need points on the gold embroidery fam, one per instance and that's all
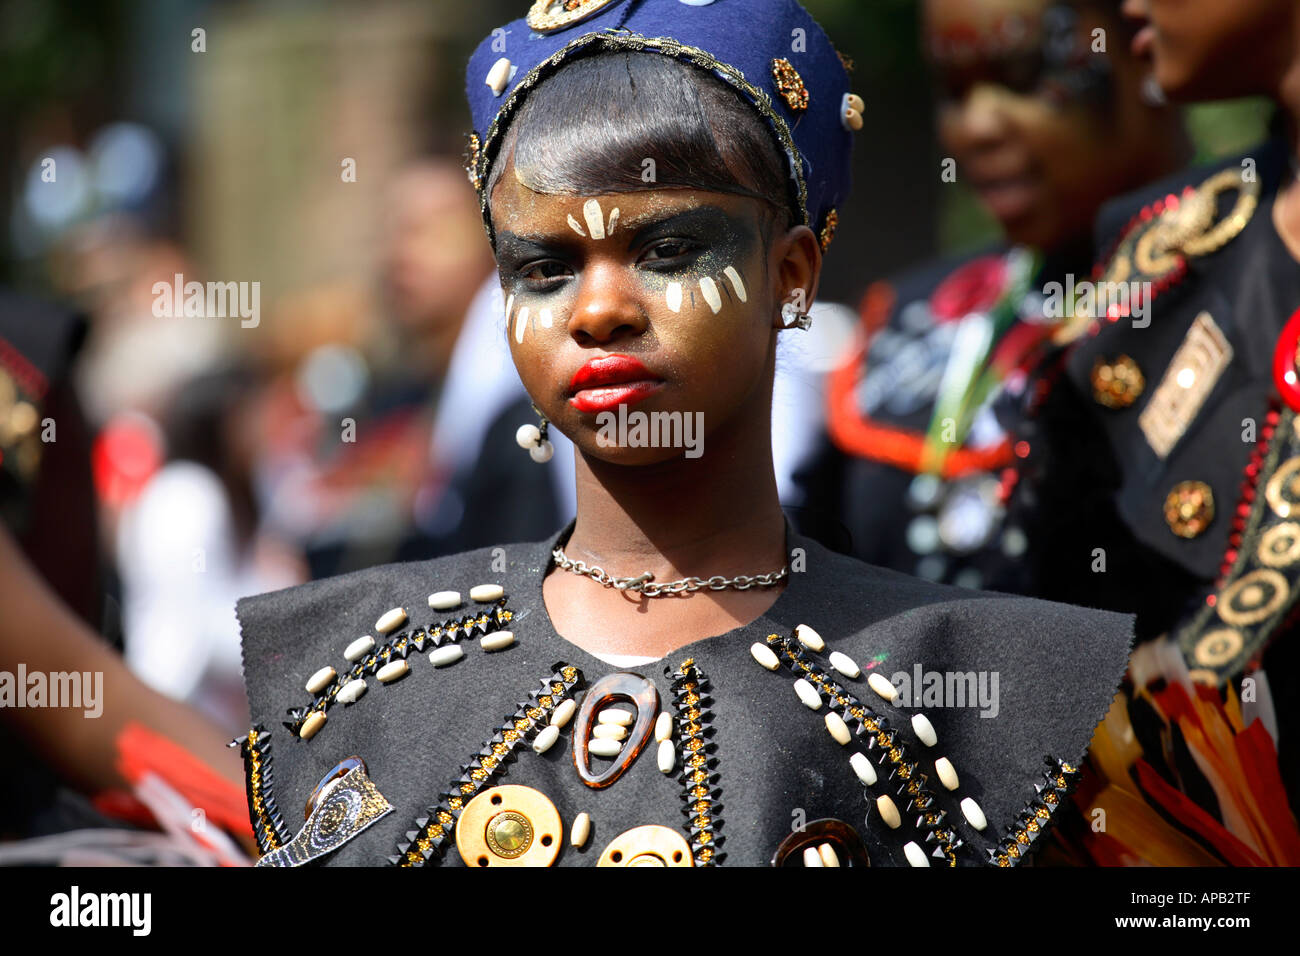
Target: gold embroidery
(790, 85)
(1197, 365)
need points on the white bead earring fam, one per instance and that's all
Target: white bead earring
(533, 438)
(792, 318)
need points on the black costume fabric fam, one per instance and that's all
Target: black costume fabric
(867, 507)
(769, 762)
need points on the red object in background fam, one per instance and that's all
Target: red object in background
(975, 287)
(1285, 374)
(125, 455)
(140, 751)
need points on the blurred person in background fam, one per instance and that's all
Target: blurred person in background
(1172, 430)
(119, 731)
(193, 540)
(1041, 112)
(420, 476)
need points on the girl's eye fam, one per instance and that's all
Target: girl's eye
(544, 272)
(671, 252)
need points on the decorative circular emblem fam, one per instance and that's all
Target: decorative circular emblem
(1252, 598)
(1280, 545)
(509, 826)
(1283, 488)
(1189, 508)
(1117, 384)
(1218, 647)
(648, 846)
(339, 810)
(790, 85)
(509, 834)
(548, 16)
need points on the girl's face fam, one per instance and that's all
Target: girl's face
(681, 282)
(1215, 49)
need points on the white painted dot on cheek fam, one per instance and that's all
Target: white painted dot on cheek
(521, 323)
(711, 294)
(545, 316)
(674, 296)
(595, 217)
(736, 283)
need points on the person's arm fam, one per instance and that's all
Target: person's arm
(38, 631)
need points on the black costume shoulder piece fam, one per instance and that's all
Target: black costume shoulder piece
(1011, 690)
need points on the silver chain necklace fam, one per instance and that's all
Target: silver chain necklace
(642, 582)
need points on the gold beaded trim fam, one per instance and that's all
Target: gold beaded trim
(418, 639)
(790, 85)
(1059, 781)
(698, 777)
(268, 825)
(473, 147)
(920, 798)
(432, 832)
(612, 39)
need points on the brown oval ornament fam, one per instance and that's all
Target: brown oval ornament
(608, 690)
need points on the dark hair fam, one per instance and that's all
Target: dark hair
(589, 127)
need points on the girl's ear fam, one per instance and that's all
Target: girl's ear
(797, 269)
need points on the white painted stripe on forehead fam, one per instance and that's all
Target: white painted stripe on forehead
(573, 224)
(595, 217)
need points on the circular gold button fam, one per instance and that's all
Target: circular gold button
(509, 834)
(1117, 384)
(648, 846)
(509, 826)
(1189, 508)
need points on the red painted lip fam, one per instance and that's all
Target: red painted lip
(613, 380)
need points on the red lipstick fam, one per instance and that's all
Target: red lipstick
(605, 383)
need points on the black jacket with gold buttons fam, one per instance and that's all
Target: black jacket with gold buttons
(1167, 450)
(1007, 689)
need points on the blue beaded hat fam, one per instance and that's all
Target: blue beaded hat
(771, 51)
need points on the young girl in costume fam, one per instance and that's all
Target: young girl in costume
(676, 678)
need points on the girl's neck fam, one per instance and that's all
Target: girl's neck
(715, 514)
